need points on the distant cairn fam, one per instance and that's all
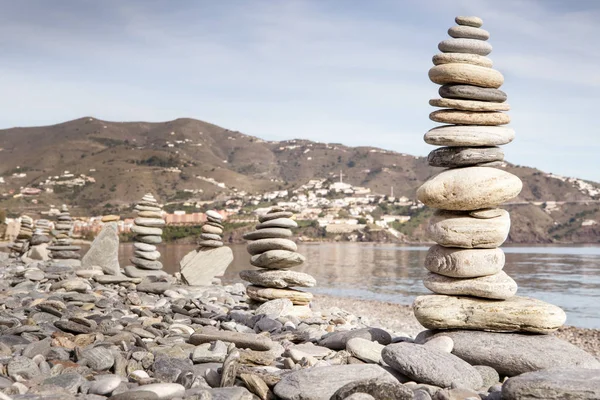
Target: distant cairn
(62, 250)
(21, 244)
(147, 227)
(273, 251)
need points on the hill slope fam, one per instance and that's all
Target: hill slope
(128, 159)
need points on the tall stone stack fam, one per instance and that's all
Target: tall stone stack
(273, 251)
(21, 244)
(148, 229)
(62, 250)
(39, 241)
(211, 259)
(466, 265)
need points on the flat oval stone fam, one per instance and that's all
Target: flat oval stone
(263, 245)
(211, 229)
(460, 117)
(471, 188)
(277, 278)
(148, 239)
(275, 215)
(144, 246)
(268, 233)
(373, 389)
(277, 259)
(210, 243)
(214, 214)
(459, 229)
(452, 135)
(469, 21)
(517, 314)
(147, 255)
(499, 286)
(464, 263)
(431, 366)
(262, 294)
(241, 340)
(164, 391)
(469, 46)
(453, 157)
(555, 384)
(149, 214)
(466, 74)
(146, 264)
(278, 223)
(105, 384)
(149, 222)
(515, 353)
(210, 236)
(468, 32)
(469, 105)
(470, 92)
(144, 230)
(462, 58)
(363, 349)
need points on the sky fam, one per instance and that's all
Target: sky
(341, 71)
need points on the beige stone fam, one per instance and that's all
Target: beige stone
(517, 314)
(468, 32)
(467, 74)
(469, 189)
(263, 294)
(499, 286)
(263, 245)
(464, 263)
(459, 229)
(469, 105)
(464, 135)
(461, 117)
(110, 218)
(462, 58)
(199, 267)
(473, 21)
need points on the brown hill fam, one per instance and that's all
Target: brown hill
(127, 159)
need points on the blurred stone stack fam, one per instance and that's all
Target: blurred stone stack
(62, 250)
(211, 259)
(148, 230)
(21, 244)
(472, 290)
(274, 252)
(39, 241)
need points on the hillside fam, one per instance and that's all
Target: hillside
(123, 160)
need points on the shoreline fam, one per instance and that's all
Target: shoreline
(400, 319)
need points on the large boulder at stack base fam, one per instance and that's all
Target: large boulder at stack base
(104, 251)
(554, 384)
(514, 354)
(199, 267)
(517, 314)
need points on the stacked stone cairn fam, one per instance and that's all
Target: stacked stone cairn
(62, 250)
(199, 267)
(148, 229)
(21, 244)
(39, 241)
(273, 251)
(472, 290)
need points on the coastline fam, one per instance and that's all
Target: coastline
(400, 319)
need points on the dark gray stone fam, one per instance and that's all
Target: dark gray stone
(514, 353)
(470, 92)
(169, 369)
(378, 389)
(230, 367)
(138, 395)
(146, 264)
(153, 287)
(338, 340)
(554, 384)
(431, 366)
(23, 367)
(452, 157)
(69, 382)
(241, 340)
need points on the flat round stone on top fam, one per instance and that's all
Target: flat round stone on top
(469, 46)
(469, 21)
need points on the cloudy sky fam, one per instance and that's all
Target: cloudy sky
(346, 71)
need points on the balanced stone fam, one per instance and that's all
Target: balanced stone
(144, 230)
(451, 135)
(277, 259)
(149, 214)
(210, 243)
(462, 58)
(150, 222)
(469, 188)
(199, 267)
(459, 229)
(498, 286)
(206, 228)
(146, 264)
(277, 278)
(146, 208)
(460, 117)
(148, 239)
(464, 263)
(469, 46)
(278, 223)
(468, 32)
(452, 157)
(263, 245)
(144, 246)
(469, 21)
(268, 233)
(517, 314)
(147, 255)
(274, 215)
(104, 251)
(214, 214)
(469, 92)
(469, 105)
(263, 294)
(211, 236)
(466, 74)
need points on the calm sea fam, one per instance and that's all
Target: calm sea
(566, 276)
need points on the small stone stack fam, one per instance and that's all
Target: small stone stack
(21, 244)
(39, 241)
(468, 227)
(211, 259)
(62, 250)
(148, 229)
(273, 251)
